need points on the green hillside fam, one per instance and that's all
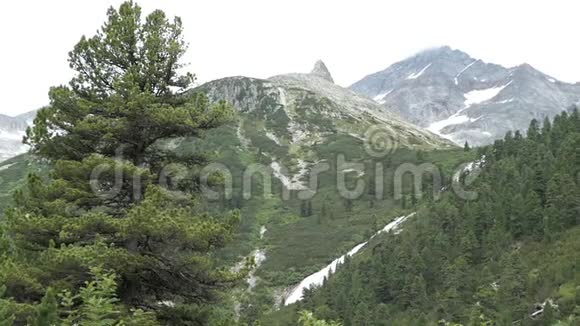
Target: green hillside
(13, 174)
(295, 244)
(510, 256)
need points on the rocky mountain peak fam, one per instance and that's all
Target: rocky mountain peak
(527, 68)
(321, 70)
(436, 50)
(466, 99)
(442, 52)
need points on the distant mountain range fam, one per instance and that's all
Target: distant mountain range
(12, 130)
(442, 90)
(466, 99)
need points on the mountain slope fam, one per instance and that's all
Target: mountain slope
(285, 127)
(13, 174)
(507, 256)
(466, 99)
(305, 109)
(292, 124)
(12, 130)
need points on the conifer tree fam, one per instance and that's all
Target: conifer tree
(546, 127)
(47, 311)
(126, 97)
(7, 317)
(534, 130)
(480, 262)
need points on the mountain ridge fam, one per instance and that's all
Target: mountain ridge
(314, 93)
(12, 130)
(464, 98)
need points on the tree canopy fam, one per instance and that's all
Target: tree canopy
(489, 261)
(104, 224)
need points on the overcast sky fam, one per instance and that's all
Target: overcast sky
(263, 38)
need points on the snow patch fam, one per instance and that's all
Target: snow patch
(296, 132)
(471, 98)
(418, 74)
(243, 140)
(166, 303)
(358, 172)
(456, 119)
(273, 138)
(259, 256)
(506, 101)
(482, 95)
(4, 167)
(462, 71)
(282, 93)
(380, 98)
(263, 231)
(356, 136)
(294, 182)
(468, 168)
(540, 307)
(316, 279)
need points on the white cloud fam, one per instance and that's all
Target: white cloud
(261, 38)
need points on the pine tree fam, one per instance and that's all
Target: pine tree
(308, 319)
(348, 204)
(362, 315)
(549, 315)
(517, 216)
(533, 214)
(126, 96)
(534, 130)
(569, 154)
(479, 262)
(466, 147)
(303, 209)
(47, 311)
(546, 127)
(562, 196)
(96, 304)
(7, 317)
(375, 224)
(122, 97)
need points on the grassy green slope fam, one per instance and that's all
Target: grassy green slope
(13, 174)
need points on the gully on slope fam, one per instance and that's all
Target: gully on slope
(317, 278)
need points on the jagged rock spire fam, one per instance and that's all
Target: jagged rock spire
(320, 70)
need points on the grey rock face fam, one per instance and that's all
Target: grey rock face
(303, 109)
(466, 99)
(321, 70)
(12, 130)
